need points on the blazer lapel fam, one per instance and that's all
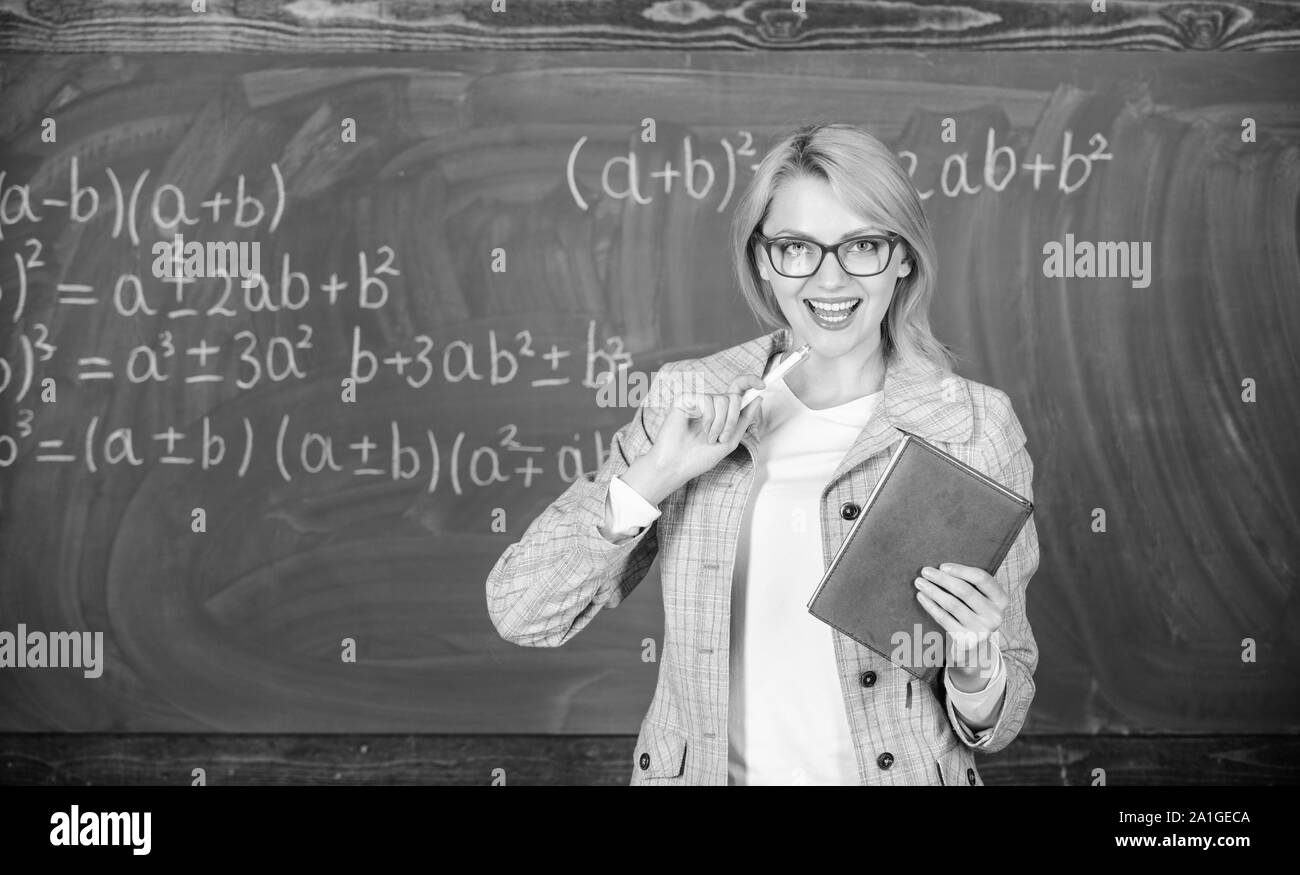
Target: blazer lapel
(930, 404)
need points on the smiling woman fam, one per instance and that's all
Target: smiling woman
(832, 251)
(839, 184)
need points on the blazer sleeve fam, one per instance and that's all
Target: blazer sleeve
(1010, 465)
(546, 587)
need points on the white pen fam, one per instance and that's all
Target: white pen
(787, 364)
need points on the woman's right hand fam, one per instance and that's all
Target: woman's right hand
(700, 430)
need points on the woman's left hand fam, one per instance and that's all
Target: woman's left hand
(968, 603)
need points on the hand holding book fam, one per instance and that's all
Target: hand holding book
(927, 504)
(967, 602)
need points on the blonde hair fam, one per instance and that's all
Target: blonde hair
(867, 177)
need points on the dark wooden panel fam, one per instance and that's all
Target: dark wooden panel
(1043, 760)
(363, 25)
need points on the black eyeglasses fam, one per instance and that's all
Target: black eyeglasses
(798, 257)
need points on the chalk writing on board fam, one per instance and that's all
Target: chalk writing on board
(626, 178)
(301, 450)
(165, 205)
(290, 289)
(495, 361)
(192, 349)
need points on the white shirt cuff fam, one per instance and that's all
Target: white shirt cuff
(981, 706)
(626, 512)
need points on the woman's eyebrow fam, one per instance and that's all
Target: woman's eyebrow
(791, 232)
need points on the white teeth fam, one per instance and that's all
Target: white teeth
(839, 305)
(833, 312)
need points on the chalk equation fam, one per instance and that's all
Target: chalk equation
(288, 289)
(690, 173)
(165, 205)
(301, 450)
(252, 359)
(199, 333)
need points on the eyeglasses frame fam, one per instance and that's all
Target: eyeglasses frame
(892, 238)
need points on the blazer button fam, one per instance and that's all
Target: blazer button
(645, 761)
(849, 510)
(970, 777)
(868, 678)
(885, 760)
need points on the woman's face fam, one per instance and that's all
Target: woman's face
(807, 207)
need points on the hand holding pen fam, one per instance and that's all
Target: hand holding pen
(702, 429)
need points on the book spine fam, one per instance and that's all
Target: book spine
(898, 454)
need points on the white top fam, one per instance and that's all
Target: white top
(786, 717)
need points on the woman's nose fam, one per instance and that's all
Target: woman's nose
(831, 274)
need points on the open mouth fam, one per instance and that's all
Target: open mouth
(832, 312)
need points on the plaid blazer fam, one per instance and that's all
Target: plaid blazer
(549, 585)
